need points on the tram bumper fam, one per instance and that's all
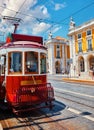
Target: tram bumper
(29, 97)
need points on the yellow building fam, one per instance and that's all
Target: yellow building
(81, 40)
(58, 55)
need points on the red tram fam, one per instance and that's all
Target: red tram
(23, 78)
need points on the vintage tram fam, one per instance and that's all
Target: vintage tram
(23, 78)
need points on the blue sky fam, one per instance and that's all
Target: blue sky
(39, 17)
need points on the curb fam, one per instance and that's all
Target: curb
(81, 81)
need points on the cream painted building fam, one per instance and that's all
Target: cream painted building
(58, 55)
(81, 41)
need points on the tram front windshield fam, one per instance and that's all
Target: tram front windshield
(33, 63)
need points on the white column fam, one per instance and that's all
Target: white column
(86, 65)
(50, 58)
(63, 57)
(53, 61)
(71, 56)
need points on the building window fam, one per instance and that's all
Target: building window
(89, 42)
(58, 51)
(80, 46)
(88, 32)
(79, 36)
(58, 54)
(58, 46)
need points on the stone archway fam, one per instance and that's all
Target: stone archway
(57, 66)
(90, 62)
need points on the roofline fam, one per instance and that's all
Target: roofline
(82, 26)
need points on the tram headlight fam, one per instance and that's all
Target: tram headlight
(32, 90)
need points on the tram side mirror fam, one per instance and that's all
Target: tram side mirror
(2, 60)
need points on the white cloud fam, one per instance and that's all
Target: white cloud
(41, 27)
(34, 29)
(56, 28)
(23, 30)
(39, 12)
(59, 6)
(44, 10)
(33, 16)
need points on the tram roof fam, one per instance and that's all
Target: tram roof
(23, 44)
(24, 41)
(22, 37)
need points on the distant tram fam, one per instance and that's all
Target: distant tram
(23, 78)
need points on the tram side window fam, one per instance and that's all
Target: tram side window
(0, 69)
(42, 63)
(15, 62)
(31, 62)
(2, 64)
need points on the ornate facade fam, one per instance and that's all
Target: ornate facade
(58, 55)
(81, 41)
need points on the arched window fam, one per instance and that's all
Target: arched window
(91, 62)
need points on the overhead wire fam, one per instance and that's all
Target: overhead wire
(73, 14)
(46, 20)
(78, 11)
(38, 19)
(20, 7)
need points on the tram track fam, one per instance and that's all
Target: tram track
(36, 120)
(38, 123)
(28, 123)
(72, 100)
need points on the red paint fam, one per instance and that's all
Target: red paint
(13, 83)
(20, 37)
(2, 88)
